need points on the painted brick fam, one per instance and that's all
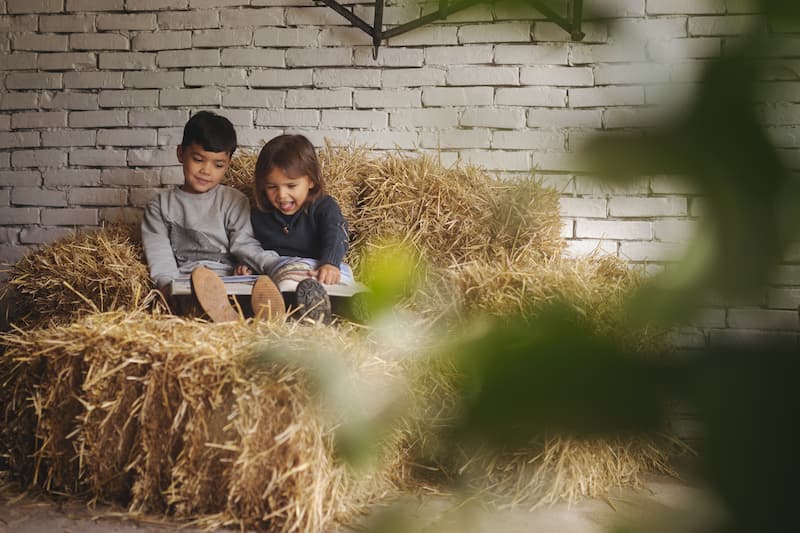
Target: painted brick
(25, 80)
(20, 139)
(459, 55)
(587, 247)
(784, 137)
(647, 207)
(618, 8)
(753, 339)
(38, 158)
(349, 77)
(148, 177)
(607, 53)
(34, 6)
(531, 54)
(337, 118)
(129, 98)
(26, 100)
(642, 73)
(162, 40)
(592, 186)
(285, 37)
(457, 96)
(596, 32)
(18, 23)
(663, 184)
(251, 98)
(188, 58)
(189, 20)
(474, 75)
(389, 98)
(154, 5)
(783, 298)
(606, 96)
(97, 157)
(127, 61)
(388, 57)
(650, 251)
(268, 16)
(497, 159)
(9, 235)
(674, 230)
(563, 183)
(613, 229)
(152, 157)
(413, 77)
(386, 140)
(19, 61)
(19, 215)
(769, 319)
(555, 75)
(93, 80)
(221, 38)
(95, 5)
(430, 118)
(281, 78)
(583, 207)
(174, 136)
(40, 43)
(225, 77)
(293, 117)
(498, 32)
(565, 118)
(682, 49)
(38, 197)
(139, 21)
(313, 16)
(80, 23)
(427, 36)
(69, 217)
(638, 30)
(71, 137)
(528, 140)
(392, 14)
(339, 36)
(98, 119)
(493, 117)
(318, 98)
(99, 41)
(531, 96)
(97, 196)
(72, 177)
(632, 117)
(474, 138)
(782, 274)
(153, 80)
(248, 57)
(43, 235)
(24, 178)
(318, 57)
(189, 97)
(141, 197)
(124, 215)
(680, 7)
(256, 137)
(127, 137)
(567, 229)
(37, 119)
(320, 138)
(68, 61)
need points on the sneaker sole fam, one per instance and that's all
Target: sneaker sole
(313, 301)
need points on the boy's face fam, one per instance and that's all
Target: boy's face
(202, 170)
(286, 194)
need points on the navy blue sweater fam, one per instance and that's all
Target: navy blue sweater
(317, 231)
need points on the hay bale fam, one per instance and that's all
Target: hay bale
(169, 415)
(89, 272)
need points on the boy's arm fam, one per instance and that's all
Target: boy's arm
(333, 232)
(243, 243)
(157, 247)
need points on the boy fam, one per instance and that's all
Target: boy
(203, 229)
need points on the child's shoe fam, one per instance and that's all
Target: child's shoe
(210, 292)
(313, 300)
(267, 300)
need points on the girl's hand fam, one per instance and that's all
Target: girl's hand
(242, 270)
(328, 274)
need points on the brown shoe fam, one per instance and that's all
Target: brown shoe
(210, 292)
(266, 299)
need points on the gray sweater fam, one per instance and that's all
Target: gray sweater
(182, 230)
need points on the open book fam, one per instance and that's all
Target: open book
(286, 273)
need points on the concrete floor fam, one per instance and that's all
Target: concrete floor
(664, 505)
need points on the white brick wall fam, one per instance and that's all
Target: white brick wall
(95, 94)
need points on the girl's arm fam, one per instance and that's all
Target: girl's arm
(332, 227)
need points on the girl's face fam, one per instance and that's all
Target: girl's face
(287, 195)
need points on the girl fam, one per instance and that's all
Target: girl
(296, 218)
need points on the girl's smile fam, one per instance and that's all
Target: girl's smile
(286, 194)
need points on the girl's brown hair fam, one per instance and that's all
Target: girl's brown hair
(295, 156)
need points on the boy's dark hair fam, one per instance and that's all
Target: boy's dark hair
(295, 156)
(213, 132)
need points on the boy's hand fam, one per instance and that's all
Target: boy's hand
(328, 274)
(242, 270)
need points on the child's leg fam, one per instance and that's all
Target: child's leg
(210, 292)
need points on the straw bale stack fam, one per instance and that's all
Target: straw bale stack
(92, 271)
(194, 419)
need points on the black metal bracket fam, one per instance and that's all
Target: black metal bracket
(571, 23)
